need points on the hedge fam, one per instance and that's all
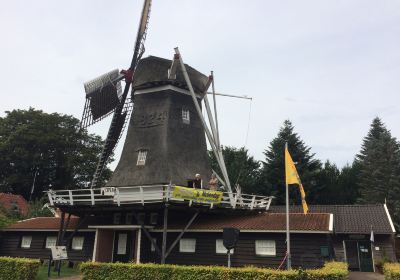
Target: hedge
(391, 271)
(123, 271)
(18, 268)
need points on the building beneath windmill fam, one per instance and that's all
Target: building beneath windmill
(147, 213)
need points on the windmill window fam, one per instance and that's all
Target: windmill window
(142, 155)
(187, 245)
(117, 218)
(265, 248)
(152, 248)
(51, 241)
(26, 241)
(186, 116)
(77, 243)
(153, 218)
(128, 218)
(140, 218)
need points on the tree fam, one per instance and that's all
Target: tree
(379, 163)
(335, 186)
(242, 168)
(50, 147)
(273, 169)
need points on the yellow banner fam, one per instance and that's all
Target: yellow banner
(197, 195)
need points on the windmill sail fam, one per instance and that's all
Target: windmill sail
(122, 111)
(102, 97)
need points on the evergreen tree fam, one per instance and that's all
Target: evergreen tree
(273, 170)
(379, 163)
(242, 168)
(50, 147)
(335, 186)
(347, 191)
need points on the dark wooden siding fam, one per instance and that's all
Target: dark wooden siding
(306, 250)
(11, 245)
(386, 248)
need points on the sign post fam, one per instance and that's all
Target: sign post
(58, 253)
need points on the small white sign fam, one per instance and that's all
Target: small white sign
(376, 248)
(108, 191)
(59, 253)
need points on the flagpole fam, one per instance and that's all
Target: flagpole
(289, 257)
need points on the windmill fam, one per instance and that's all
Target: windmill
(104, 96)
(166, 138)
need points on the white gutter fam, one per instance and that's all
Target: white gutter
(331, 222)
(390, 219)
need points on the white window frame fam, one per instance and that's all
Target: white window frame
(51, 241)
(77, 243)
(122, 242)
(152, 248)
(26, 241)
(185, 116)
(187, 245)
(265, 247)
(220, 248)
(141, 159)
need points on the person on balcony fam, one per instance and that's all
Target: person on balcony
(197, 182)
(213, 183)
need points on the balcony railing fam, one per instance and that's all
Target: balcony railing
(142, 195)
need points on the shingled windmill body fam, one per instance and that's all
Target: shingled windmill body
(165, 141)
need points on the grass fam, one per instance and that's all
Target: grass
(65, 272)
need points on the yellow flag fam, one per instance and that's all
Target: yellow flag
(292, 177)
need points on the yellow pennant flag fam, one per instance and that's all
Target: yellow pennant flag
(292, 177)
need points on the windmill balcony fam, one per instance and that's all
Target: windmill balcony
(156, 194)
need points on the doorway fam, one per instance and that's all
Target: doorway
(359, 255)
(123, 246)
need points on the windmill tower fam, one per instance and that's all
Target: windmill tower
(165, 140)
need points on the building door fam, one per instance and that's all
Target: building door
(365, 256)
(359, 255)
(352, 255)
(123, 246)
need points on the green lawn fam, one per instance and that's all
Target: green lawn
(65, 271)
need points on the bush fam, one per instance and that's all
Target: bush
(18, 268)
(391, 271)
(122, 271)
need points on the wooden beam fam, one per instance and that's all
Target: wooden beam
(78, 226)
(146, 232)
(182, 233)
(164, 238)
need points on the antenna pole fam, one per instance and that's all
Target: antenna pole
(215, 109)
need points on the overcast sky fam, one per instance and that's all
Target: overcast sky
(328, 66)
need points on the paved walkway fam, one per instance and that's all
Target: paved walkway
(365, 276)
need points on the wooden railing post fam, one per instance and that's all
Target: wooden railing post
(71, 200)
(92, 196)
(118, 197)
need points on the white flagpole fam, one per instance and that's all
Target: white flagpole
(289, 257)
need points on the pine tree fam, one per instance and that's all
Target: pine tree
(273, 170)
(379, 163)
(242, 168)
